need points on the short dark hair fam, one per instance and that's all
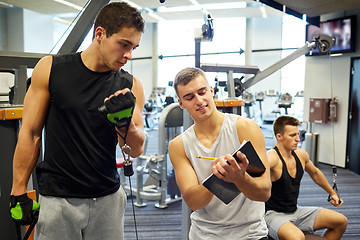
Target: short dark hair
(116, 15)
(186, 75)
(282, 121)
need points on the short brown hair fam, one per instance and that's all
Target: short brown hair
(117, 15)
(282, 121)
(186, 75)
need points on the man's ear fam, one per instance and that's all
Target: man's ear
(212, 91)
(278, 136)
(100, 32)
(180, 103)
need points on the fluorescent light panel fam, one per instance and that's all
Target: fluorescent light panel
(194, 2)
(69, 4)
(148, 10)
(138, 7)
(5, 5)
(198, 7)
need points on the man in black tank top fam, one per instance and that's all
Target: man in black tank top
(79, 186)
(284, 218)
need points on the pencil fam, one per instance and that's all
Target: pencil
(210, 158)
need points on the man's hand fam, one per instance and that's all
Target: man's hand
(228, 169)
(23, 210)
(119, 107)
(335, 200)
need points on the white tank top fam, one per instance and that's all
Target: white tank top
(241, 218)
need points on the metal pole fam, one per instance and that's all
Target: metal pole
(197, 52)
(20, 84)
(82, 27)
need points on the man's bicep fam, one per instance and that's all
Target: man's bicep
(272, 158)
(37, 98)
(258, 141)
(184, 172)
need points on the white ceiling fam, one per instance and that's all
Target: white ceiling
(57, 9)
(254, 9)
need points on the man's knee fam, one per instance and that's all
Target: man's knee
(343, 221)
(330, 219)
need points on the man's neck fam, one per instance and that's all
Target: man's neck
(210, 127)
(91, 59)
(285, 152)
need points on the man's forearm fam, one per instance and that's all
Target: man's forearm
(256, 189)
(321, 180)
(25, 158)
(197, 197)
(134, 138)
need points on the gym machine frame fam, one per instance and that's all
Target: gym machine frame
(155, 166)
(322, 42)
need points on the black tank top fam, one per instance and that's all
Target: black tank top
(285, 190)
(80, 146)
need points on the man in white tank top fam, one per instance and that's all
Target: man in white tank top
(215, 134)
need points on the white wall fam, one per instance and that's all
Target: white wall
(38, 32)
(3, 29)
(142, 69)
(328, 77)
(15, 30)
(266, 34)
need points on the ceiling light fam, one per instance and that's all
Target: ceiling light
(146, 10)
(151, 13)
(5, 5)
(69, 4)
(263, 12)
(60, 20)
(138, 7)
(214, 6)
(194, 2)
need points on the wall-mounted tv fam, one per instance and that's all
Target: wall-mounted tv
(342, 29)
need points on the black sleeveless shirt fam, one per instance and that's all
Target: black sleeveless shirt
(285, 190)
(80, 146)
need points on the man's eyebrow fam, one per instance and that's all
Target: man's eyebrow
(130, 42)
(186, 95)
(200, 89)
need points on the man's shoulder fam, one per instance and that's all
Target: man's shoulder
(70, 58)
(248, 130)
(176, 145)
(273, 158)
(176, 141)
(301, 153)
(246, 123)
(272, 153)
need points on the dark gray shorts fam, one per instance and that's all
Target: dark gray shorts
(303, 218)
(76, 218)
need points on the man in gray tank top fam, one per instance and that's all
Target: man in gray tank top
(215, 134)
(284, 218)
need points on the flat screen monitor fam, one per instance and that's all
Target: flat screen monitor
(342, 29)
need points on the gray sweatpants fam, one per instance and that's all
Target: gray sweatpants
(81, 219)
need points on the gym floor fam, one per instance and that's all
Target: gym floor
(163, 224)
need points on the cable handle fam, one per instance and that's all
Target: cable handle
(334, 170)
(128, 169)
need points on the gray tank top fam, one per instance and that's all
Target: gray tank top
(242, 218)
